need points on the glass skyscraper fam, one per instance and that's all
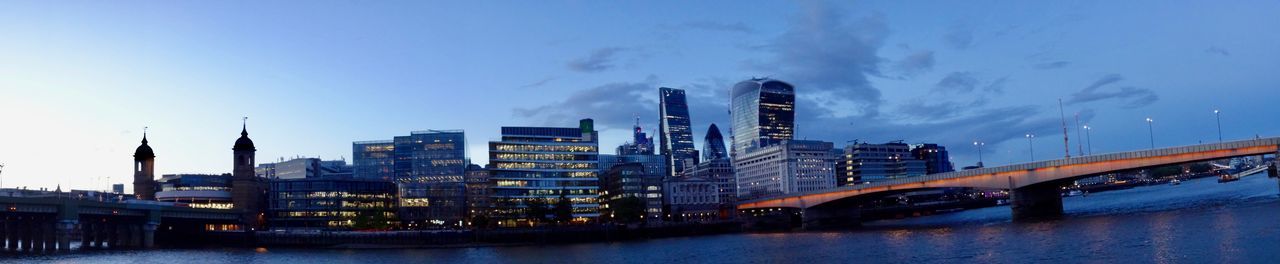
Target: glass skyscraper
(428, 168)
(373, 159)
(763, 113)
(676, 135)
(713, 145)
(537, 165)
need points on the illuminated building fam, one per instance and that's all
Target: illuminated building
(787, 167)
(864, 162)
(762, 111)
(479, 190)
(373, 159)
(196, 190)
(691, 199)
(332, 203)
(719, 171)
(713, 144)
(633, 180)
(300, 168)
(538, 164)
(935, 157)
(428, 167)
(676, 135)
(641, 143)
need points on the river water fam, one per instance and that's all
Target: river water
(1199, 221)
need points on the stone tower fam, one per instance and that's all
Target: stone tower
(246, 189)
(144, 171)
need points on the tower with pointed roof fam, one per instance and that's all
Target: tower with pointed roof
(144, 171)
(247, 190)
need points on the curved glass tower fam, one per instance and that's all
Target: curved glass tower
(763, 113)
(713, 145)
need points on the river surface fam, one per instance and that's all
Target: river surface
(1199, 221)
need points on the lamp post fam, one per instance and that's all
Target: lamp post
(1088, 138)
(1031, 147)
(1217, 115)
(979, 144)
(1151, 132)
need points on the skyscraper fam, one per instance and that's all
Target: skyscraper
(763, 113)
(676, 135)
(534, 166)
(641, 143)
(713, 145)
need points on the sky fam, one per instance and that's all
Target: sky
(79, 80)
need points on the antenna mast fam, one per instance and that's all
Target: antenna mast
(1065, 142)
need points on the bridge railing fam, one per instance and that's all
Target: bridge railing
(1272, 141)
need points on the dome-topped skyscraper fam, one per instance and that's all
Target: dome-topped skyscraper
(144, 171)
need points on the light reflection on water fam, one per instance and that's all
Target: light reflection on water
(1200, 221)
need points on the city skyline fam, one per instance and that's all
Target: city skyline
(312, 86)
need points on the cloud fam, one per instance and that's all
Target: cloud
(1051, 65)
(539, 83)
(599, 60)
(611, 105)
(826, 56)
(737, 27)
(937, 109)
(957, 82)
(1132, 96)
(959, 38)
(915, 63)
(1215, 50)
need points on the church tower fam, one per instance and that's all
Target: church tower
(144, 171)
(246, 189)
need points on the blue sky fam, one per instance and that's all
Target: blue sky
(79, 79)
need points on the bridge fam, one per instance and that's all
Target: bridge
(1034, 187)
(49, 222)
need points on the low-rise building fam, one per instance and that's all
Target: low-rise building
(787, 167)
(331, 204)
(211, 191)
(692, 199)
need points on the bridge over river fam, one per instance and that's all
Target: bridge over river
(49, 222)
(1034, 186)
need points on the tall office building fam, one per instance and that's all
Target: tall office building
(373, 159)
(935, 157)
(428, 168)
(536, 165)
(641, 143)
(864, 162)
(763, 113)
(713, 145)
(789, 166)
(676, 135)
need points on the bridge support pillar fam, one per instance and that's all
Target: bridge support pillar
(817, 218)
(33, 231)
(1036, 202)
(149, 234)
(65, 229)
(112, 234)
(50, 237)
(11, 233)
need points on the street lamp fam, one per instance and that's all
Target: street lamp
(1031, 147)
(1217, 115)
(1088, 138)
(979, 144)
(1151, 132)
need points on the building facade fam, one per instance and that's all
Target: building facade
(537, 165)
(641, 143)
(427, 166)
(332, 203)
(935, 157)
(633, 180)
(786, 167)
(864, 163)
(210, 191)
(692, 199)
(479, 190)
(301, 168)
(676, 133)
(762, 111)
(719, 171)
(373, 159)
(144, 171)
(713, 144)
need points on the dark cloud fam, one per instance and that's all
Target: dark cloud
(916, 63)
(1217, 51)
(996, 86)
(611, 105)
(538, 83)
(1051, 65)
(826, 56)
(738, 27)
(599, 60)
(1131, 96)
(958, 82)
(959, 38)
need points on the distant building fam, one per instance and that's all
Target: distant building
(713, 145)
(479, 190)
(935, 157)
(541, 163)
(863, 162)
(789, 166)
(211, 191)
(373, 159)
(117, 188)
(656, 164)
(719, 171)
(641, 143)
(633, 180)
(676, 135)
(331, 204)
(428, 166)
(301, 168)
(763, 113)
(692, 199)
